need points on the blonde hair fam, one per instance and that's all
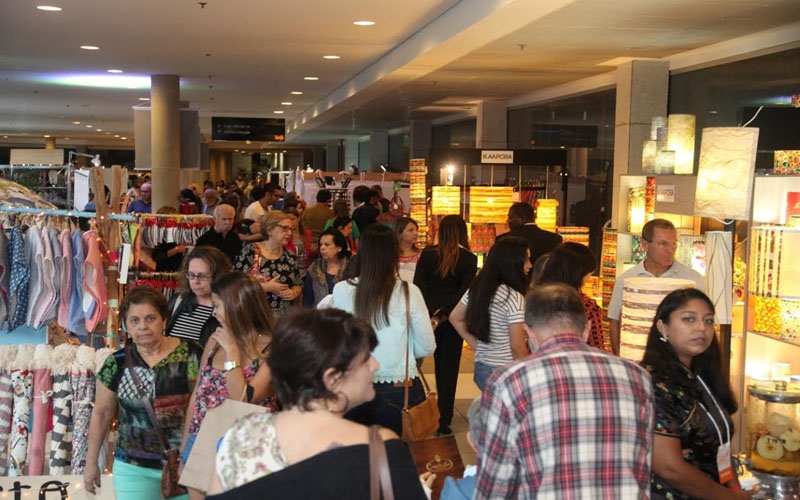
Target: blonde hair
(270, 221)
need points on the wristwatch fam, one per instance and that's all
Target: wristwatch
(230, 365)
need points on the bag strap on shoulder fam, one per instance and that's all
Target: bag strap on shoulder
(380, 477)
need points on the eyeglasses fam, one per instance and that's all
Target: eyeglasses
(285, 228)
(199, 277)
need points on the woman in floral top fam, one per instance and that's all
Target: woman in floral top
(271, 264)
(233, 360)
(167, 367)
(694, 402)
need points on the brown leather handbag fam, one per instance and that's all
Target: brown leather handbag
(422, 420)
(171, 461)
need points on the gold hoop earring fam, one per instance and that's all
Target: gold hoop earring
(339, 395)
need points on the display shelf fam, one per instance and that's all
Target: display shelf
(776, 337)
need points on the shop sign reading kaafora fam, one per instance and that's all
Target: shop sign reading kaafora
(494, 156)
(248, 129)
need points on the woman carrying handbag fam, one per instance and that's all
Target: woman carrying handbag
(375, 295)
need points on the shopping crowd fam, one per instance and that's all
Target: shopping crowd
(320, 318)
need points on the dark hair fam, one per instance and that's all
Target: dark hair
(649, 228)
(339, 240)
(358, 193)
(400, 226)
(375, 266)
(256, 193)
(555, 306)
(309, 342)
(247, 311)
(661, 359)
(522, 210)
(504, 265)
(340, 208)
(270, 188)
(568, 264)
(144, 294)
(341, 221)
(324, 196)
(217, 261)
(452, 233)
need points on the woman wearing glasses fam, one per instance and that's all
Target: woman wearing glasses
(190, 308)
(271, 264)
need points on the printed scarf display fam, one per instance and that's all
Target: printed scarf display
(42, 391)
(82, 384)
(22, 385)
(5, 418)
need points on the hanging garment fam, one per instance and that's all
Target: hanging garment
(34, 253)
(65, 285)
(95, 293)
(22, 389)
(5, 277)
(61, 439)
(82, 383)
(20, 277)
(7, 353)
(43, 308)
(42, 393)
(77, 322)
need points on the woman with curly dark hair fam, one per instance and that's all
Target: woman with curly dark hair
(694, 402)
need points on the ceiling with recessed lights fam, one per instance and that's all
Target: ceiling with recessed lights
(330, 79)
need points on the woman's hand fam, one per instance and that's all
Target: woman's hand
(224, 338)
(274, 286)
(91, 477)
(289, 293)
(427, 479)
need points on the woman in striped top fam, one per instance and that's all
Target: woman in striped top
(497, 337)
(190, 308)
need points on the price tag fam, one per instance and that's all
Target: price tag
(724, 463)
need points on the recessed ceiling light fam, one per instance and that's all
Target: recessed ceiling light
(311, 78)
(5, 137)
(76, 123)
(88, 126)
(331, 57)
(49, 8)
(144, 98)
(115, 71)
(99, 130)
(90, 47)
(108, 133)
(296, 92)
(364, 23)
(286, 103)
(117, 136)
(124, 138)
(278, 112)
(66, 138)
(46, 136)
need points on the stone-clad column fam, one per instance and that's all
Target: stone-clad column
(492, 125)
(642, 93)
(165, 139)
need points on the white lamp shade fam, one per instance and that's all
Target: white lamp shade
(658, 122)
(649, 150)
(680, 138)
(725, 175)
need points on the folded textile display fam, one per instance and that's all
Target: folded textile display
(61, 441)
(7, 353)
(42, 392)
(22, 389)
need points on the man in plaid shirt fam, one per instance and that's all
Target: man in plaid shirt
(569, 421)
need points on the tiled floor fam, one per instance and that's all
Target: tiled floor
(466, 391)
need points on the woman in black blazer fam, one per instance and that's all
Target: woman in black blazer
(443, 274)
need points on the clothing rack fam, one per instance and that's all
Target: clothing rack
(63, 213)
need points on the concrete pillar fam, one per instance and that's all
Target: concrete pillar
(319, 159)
(642, 93)
(350, 153)
(492, 126)
(49, 143)
(165, 139)
(332, 157)
(420, 139)
(378, 150)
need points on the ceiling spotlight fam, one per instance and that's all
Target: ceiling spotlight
(364, 23)
(278, 112)
(49, 8)
(90, 47)
(383, 168)
(115, 71)
(144, 98)
(76, 123)
(311, 78)
(286, 103)
(296, 92)
(46, 136)
(99, 130)
(331, 57)
(124, 138)
(116, 135)
(96, 161)
(88, 126)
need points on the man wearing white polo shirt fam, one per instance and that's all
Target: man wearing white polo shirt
(660, 242)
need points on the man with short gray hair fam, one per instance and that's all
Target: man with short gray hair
(222, 236)
(568, 421)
